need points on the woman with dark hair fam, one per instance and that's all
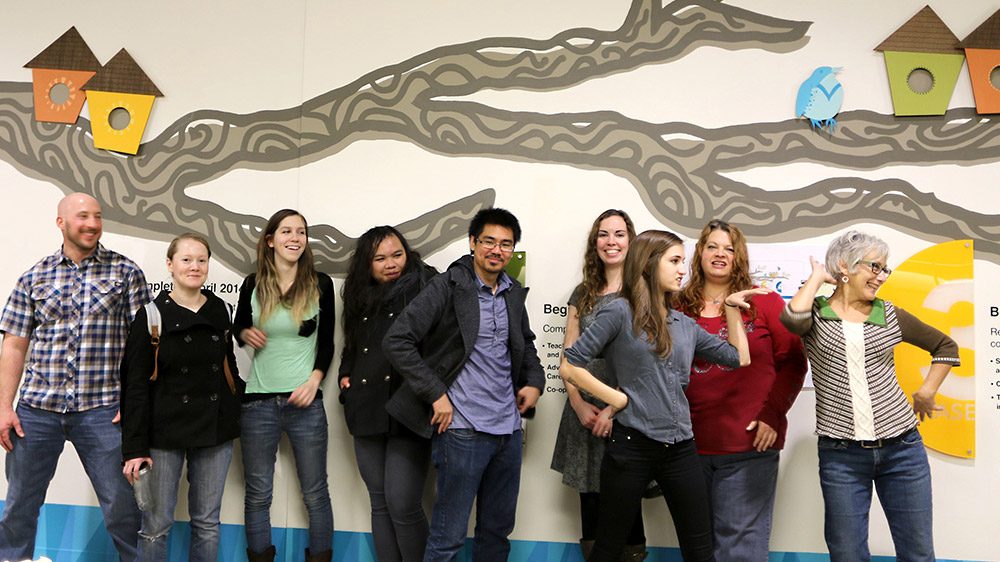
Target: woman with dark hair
(582, 430)
(181, 401)
(649, 347)
(867, 428)
(384, 275)
(738, 415)
(286, 314)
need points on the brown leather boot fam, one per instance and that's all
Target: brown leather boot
(267, 555)
(585, 547)
(634, 553)
(324, 556)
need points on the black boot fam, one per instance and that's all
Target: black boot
(324, 556)
(634, 553)
(267, 555)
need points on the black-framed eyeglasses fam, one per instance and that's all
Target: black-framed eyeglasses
(877, 268)
(489, 243)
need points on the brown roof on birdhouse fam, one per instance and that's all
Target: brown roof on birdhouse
(923, 33)
(69, 52)
(122, 74)
(986, 36)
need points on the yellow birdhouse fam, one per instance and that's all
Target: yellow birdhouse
(121, 97)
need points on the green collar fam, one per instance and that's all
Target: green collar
(876, 317)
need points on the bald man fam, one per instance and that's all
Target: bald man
(74, 307)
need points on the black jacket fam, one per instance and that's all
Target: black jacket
(325, 323)
(373, 380)
(434, 336)
(190, 404)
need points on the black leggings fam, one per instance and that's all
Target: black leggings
(631, 461)
(590, 510)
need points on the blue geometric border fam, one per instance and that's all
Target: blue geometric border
(73, 533)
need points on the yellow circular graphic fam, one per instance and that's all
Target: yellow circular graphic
(936, 286)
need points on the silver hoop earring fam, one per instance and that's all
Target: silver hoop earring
(845, 279)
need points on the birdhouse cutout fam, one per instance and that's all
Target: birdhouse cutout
(121, 97)
(923, 60)
(982, 50)
(58, 73)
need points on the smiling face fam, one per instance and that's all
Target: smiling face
(489, 262)
(671, 269)
(717, 257)
(289, 239)
(389, 260)
(612, 240)
(189, 265)
(863, 284)
(79, 219)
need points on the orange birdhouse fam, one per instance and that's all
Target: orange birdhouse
(121, 97)
(57, 75)
(982, 50)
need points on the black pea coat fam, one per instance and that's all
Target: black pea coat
(190, 404)
(373, 380)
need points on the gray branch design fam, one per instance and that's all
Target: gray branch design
(676, 167)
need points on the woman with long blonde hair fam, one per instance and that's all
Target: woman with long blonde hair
(286, 314)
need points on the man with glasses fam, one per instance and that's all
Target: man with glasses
(467, 353)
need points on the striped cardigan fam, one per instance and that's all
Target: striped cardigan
(823, 335)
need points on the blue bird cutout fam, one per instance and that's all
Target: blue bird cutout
(820, 98)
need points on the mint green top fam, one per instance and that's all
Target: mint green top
(287, 359)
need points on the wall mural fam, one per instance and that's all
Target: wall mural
(678, 168)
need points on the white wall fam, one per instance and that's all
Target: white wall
(247, 56)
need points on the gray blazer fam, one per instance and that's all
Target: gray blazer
(434, 336)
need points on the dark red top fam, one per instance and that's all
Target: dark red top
(724, 401)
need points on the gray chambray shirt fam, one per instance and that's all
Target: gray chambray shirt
(655, 385)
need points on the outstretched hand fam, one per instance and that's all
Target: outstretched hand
(741, 299)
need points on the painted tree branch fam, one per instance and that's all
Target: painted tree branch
(147, 195)
(677, 168)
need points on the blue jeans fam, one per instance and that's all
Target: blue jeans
(741, 489)
(261, 426)
(394, 469)
(474, 466)
(207, 468)
(32, 463)
(902, 478)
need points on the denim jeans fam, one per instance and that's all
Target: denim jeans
(474, 466)
(901, 476)
(394, 469)
(741, 489)
(631, 461)
(261, 426)
(32, 463)
(206, 473)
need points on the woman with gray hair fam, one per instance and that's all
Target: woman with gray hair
(866, 427)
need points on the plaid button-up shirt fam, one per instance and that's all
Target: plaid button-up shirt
(77, 318)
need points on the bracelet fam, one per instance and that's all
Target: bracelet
(732, 305)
